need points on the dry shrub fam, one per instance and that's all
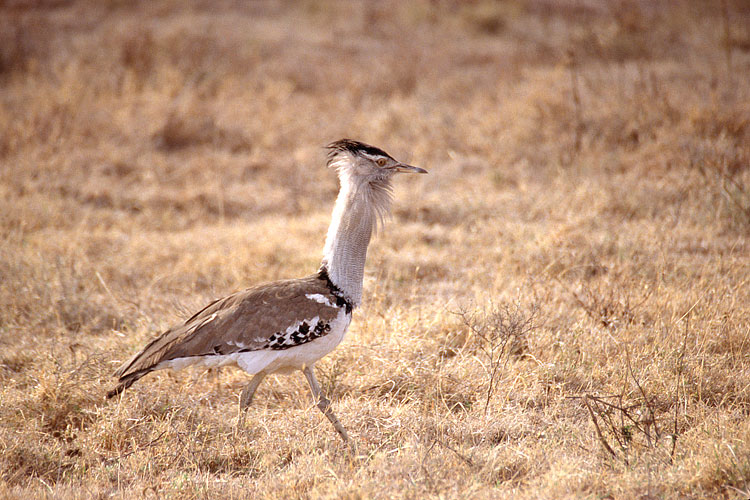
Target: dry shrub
(138, 52)
(498, 333)
(605, 303)
(488, 18)
(25, 38)
(724, 168)
(196, 129)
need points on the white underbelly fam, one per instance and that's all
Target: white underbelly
(275, 361)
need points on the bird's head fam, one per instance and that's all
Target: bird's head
(363, 164)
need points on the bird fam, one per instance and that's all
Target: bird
(288, 325)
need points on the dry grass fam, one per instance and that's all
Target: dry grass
(587, 214)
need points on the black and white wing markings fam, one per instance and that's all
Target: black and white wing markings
(298, 335)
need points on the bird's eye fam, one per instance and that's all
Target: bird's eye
(380, 162)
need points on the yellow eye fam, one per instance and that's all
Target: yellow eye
(380, 162)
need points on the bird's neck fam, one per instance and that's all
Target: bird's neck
(353, 222)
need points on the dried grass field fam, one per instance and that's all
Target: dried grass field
(560, 309)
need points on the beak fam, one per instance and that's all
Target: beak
(408, 169)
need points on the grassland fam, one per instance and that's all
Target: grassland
(561, 309)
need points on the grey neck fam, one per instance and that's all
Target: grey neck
(345, 250)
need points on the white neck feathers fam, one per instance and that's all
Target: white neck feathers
(358, 210)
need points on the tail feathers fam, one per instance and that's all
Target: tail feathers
(126, 382)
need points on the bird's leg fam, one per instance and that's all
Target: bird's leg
(325, 405)
(247, 397)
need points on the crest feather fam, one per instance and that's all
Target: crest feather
(354, 147)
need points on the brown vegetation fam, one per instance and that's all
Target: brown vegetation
(561, 309)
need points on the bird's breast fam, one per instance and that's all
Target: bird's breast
(295, 357)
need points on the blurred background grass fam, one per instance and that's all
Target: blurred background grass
(586, 212)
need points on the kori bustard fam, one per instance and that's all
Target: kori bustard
(288, 325)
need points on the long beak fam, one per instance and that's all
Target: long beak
(408, 169)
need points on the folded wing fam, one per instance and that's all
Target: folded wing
(276, 315)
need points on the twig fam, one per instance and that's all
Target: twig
(598, 430)
(646, 400)
(424, 469)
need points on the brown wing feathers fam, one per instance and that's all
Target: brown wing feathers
(243, 321)
(157, 350)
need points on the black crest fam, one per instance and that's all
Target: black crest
(353, 147)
